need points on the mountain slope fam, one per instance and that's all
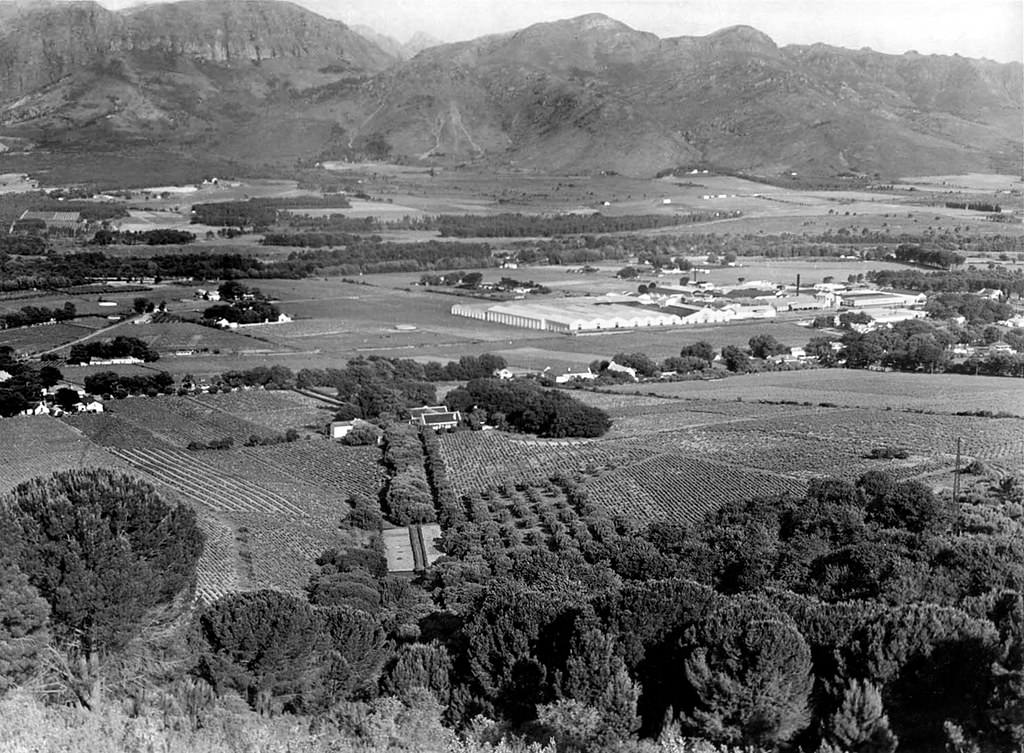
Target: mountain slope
(591, 93)
(269, 82)
(179, 74)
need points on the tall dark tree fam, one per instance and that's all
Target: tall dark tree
(751, 675)
(23, 626)
(261, 644)
(102, 549)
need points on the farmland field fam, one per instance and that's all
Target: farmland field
(268, 511)
(944, 393)
(169, 337)
(680, 458)
(33, 446)
(42, 336)
(273, 409)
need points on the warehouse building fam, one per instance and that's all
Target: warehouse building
(569, 317)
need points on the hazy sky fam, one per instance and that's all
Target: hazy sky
(974, 28)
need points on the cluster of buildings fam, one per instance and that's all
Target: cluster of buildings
(48, 405)
(437, 417)
(692, 304)
(608, 313)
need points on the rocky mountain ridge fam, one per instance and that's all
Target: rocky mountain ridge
(241, 78)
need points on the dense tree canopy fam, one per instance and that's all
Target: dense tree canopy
(102, 549)
(527, 407)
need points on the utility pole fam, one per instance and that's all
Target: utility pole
(956, 473)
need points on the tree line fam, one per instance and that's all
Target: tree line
(157, 237)
(29, 315)
(118, 347)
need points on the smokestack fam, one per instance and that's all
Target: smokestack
(798, 284)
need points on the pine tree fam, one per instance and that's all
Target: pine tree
(23, 626)
(421, 665)
(102, 549)
(860, 725)
(260, 644)
(596, 676)
(751, 675)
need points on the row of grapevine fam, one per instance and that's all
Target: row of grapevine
(207, 485)
(683, 489)
(349, 470)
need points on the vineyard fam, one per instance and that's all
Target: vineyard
(346, 470)
(179, 421)
(219, 571)
(209, 485)
(940, 393)
(475, 460)
(680, 458)
(33, 446)
(681, 488)
(276, 410)
(269, 511)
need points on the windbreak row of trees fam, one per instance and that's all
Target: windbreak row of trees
(67, 270)
(958, 281)
(118, 347)
(29, 315)
(522, 225)
(158, 237)
(25, 245)
(122, 385)
(929, 257)
(260, 213)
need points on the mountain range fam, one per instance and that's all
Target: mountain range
(270, 82)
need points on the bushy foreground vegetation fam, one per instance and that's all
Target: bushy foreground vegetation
(862, 616)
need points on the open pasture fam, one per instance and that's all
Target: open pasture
(42, 336)
(172, 337)
(967, 182)
(941, 393)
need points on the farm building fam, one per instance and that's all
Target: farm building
(702, 315)
(571, 375)
(815, 302)
(569, 317)
(892, 316)
(437, 417)
(341, 429)
(993, 294)
(880, 299)
(51, 223)
(740, 311)
(620, 369)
